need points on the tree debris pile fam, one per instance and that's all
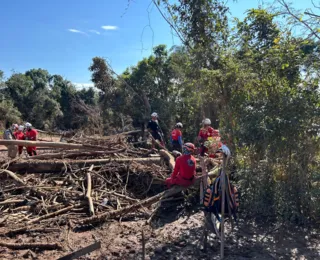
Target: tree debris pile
(42, 194)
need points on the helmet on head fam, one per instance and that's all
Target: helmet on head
(28, 125)
(206, 121)
(14, 126)
(189, 147)
(154, 114)
(21, 128)
(179, 125)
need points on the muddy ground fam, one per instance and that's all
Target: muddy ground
(175, 234)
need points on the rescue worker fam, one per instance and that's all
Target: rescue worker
(176, 137)
(14, 127)
(20, 136)
(206, 132)
(155, 130)
(185, 168)
(31, 135)
(8, 135)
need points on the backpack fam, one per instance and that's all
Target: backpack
(213, 198)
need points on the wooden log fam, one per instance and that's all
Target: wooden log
(50, 215)
(52, 144)
(30, 166)
(8, 202)
(168, 157)
(72, 155)
(28, 230)
(89, 190)
(13, 176)
(44, 246)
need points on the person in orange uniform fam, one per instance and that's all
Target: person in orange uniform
(176, 137)
(31, 135)
(206, 132)
(19, 135)
(185, 168)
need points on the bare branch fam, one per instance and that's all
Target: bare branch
(285, 5)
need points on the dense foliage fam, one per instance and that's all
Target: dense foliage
(257, 81)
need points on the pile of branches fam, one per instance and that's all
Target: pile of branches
(90, 186)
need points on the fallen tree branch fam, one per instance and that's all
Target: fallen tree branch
(73, 155)
(51, 144)
(27, 230)
(89, 190)
(59, 166)
(45, 246)
(50, 215)
(168, 157)
(13, 176)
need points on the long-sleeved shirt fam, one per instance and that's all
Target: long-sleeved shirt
(185, 167)
(176, 135)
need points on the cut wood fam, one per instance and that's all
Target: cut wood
(44, 246)
(13, 176)
(30, 166)
(8, 202)
(89, 190)
(52, 144)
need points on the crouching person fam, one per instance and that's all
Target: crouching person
(185, 168)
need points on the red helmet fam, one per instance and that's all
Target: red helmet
(190, 147)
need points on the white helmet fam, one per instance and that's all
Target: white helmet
(14, 126)
(28, 125)
(154, 114)
(21, 128)
(179, 125)
(206, 121)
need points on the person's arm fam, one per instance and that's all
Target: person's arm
(176, 168)
(180, 139)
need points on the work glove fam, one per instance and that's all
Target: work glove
(225, 150)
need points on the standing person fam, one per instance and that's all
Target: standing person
(8, 135)
(185, 168)
(176, 137)
(155, 130)
(31, 135)
(20, 136)
(14, 127)
(206, 132)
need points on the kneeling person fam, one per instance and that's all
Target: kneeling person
(185, 168)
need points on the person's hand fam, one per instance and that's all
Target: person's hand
(225, 150)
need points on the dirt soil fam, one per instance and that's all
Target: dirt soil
(174, 236)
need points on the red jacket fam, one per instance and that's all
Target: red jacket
(185, 167)
(210, 132)
(175, 134)
(19, 135)
(31, 135)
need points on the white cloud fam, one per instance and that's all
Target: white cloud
(109, 27)
(94, 31)
(77, 31)
(83, 85)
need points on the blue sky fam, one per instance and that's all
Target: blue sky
(62, 36)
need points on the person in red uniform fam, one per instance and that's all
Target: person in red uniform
(185, 168)
(19, 135)
(31, 135)
(205, 132)
(176, 137)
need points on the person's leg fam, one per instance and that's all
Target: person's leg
(29, 150)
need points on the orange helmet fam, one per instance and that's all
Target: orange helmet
(189, 146)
